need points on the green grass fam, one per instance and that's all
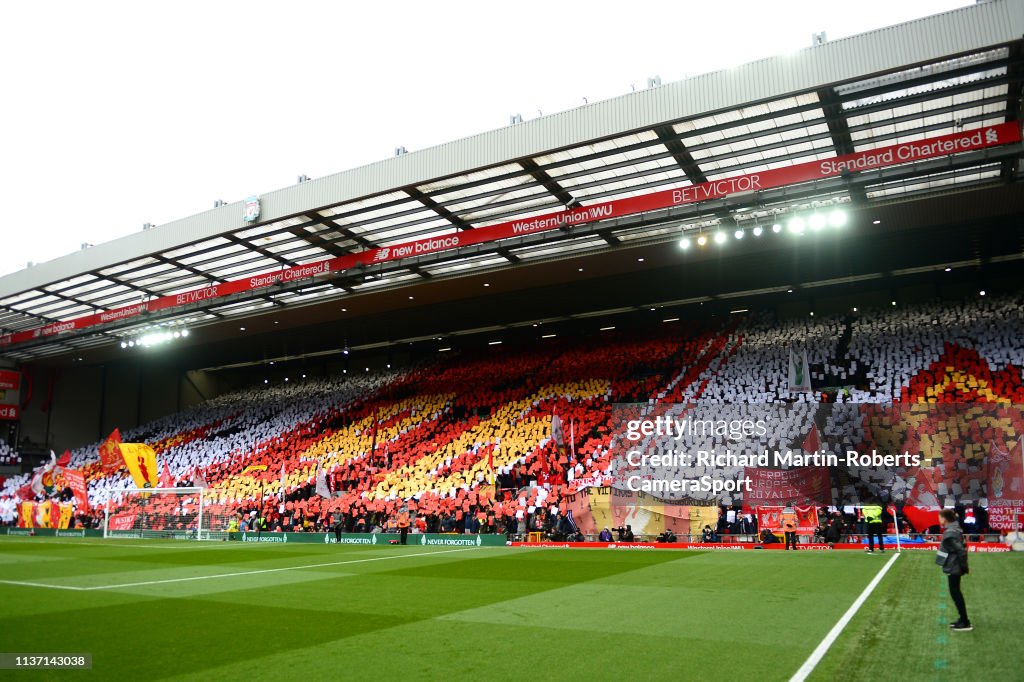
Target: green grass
(479, 613)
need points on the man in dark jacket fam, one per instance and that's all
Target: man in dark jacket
(953, 557)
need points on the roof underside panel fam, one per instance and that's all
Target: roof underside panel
(951, 72)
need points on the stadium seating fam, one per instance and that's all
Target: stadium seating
(468, 441)
(8, 455)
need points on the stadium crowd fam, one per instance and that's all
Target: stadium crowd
(500, 440)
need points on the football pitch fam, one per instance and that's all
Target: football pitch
(226, 611)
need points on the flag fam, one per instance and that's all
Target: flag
(110, 455)
(141, 461)
(27, 514)
(42, 480)
(799, 374)
(1006, 475)
(64, 518)
(25, 492)
(812, 442)
(166, 480)
(557, 433)
(572, 438)
(254, 467)
(43, 515)
(198, 480)
(284, 485)
(76, 481)
(65, 459)
(321, 482)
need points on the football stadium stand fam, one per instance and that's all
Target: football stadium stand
(468, 442)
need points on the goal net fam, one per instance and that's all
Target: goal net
(172, 513)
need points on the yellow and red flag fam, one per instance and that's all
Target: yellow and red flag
(26, 517)
(64, 521)
(141, 462)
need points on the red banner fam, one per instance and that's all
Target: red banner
(770, 487)
(76, 481)
(124, 521)
(10, 413)
(771, 518)
(9, 380)
(894, 155)
(926, 546)
(1006, 518)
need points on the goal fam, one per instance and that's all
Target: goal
(171, 513)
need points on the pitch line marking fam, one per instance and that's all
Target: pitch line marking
(819, 653)
(229, 575)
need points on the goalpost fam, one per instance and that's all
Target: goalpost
(171, 513)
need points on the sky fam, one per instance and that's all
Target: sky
(115, 114)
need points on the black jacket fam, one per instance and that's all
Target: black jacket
(953, 545)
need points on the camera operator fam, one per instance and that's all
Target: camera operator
(667, 536)
(625, 533)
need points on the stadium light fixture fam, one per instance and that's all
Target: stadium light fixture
(738, 234)
(758, 230)
(607, 329)
(444, 350)
(547, 336)
(894, 302)
(949, 269)
(124, 344)
(876, 222)
(719, 237)
(494, 343)
(776, 228)
(671, 319)
(639, 260)
(797, 225)
(981, 293)
(702, 240)
(184, 332)
(837, 217)
(816, 221)
(684, 243)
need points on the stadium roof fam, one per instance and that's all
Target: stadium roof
(942, 75)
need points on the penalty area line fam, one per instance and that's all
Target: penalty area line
(230, 575)
(819, 653)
